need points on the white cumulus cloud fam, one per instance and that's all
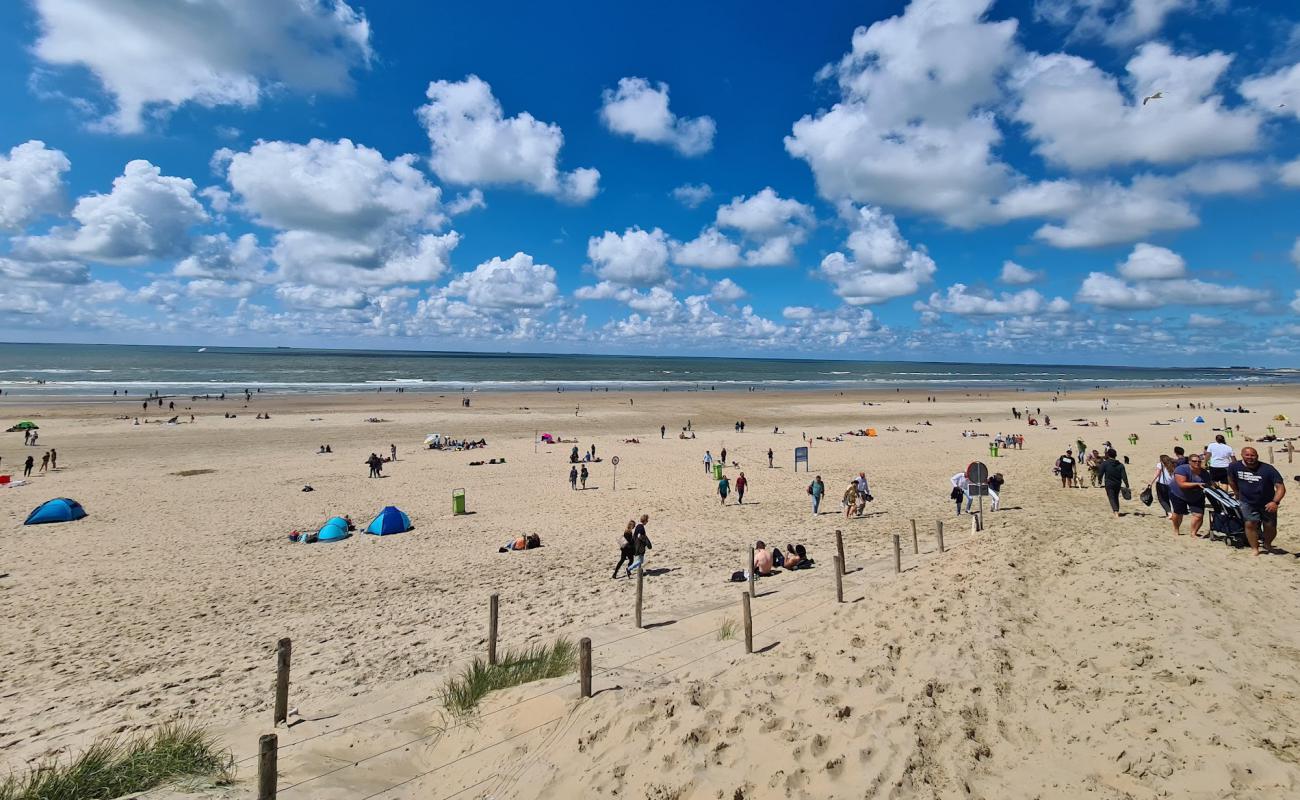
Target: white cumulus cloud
(517, 282)
(710, 250)
(1014, 274)
(640, 110)
(473, 142)
(146, 216)
(346, 214)
(31, 183)
(727, 291)
(1080, 117)
(882, 265)
(693, 195)
(963, 301)
(156, 56)
(1276, 93)
(635, 258)
(1149, 262)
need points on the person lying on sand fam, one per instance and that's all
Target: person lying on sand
(528, 542)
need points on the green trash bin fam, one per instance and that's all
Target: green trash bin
(458, 501)
(717, 471)
(1227, 432)
(993, 450)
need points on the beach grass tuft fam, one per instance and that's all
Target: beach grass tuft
(462, 693)
(728, 629)
(114, 767)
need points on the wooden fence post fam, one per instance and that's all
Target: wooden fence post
(493, 602)
(839, 579)
(916, 543)
(749, 622)
(267, 751)
(640, 576)
(584, 665)
(938, 532)
(283, 651)
(839, 548)
(753, 573)
(898, 555)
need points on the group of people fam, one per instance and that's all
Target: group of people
(1106, 470)
(575, 476)
(964, 491)
(632, 546)
(795, 556)
(1180, 482)
(48, 461)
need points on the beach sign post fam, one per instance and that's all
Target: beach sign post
(801, 454)
(977, 476)
(614, 463)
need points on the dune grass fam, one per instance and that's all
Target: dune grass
(462, 693)
(728, 629)
(115, 767)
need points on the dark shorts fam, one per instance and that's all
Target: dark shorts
(1218, 474)
(1067, 473)
(1258, 514)
(1184, 507)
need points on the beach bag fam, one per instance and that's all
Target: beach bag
(1126, 493)
(1146, 497)
(956, 494)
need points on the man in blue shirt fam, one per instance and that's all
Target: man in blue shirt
(1260, 489)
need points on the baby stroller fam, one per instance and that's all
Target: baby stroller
(1227, 523)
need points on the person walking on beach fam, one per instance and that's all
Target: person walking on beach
(662, 430)
(376, 464)
(816, 489)
(573, 478)
(1186, 497)
(960, 485)
(392, 452)
(640, 544)
(27, 466)
(1065, 465)
(45, 461)
(724, 486)
(27, 437)
(1113, 475)
(1164, 476)
(54, 458)
(708, 462)
(850, 499)
(741, 483)
(722, 457)
(1218, 457)
(1260, 488)
(769, 458)
(626, 548)
(582, 477)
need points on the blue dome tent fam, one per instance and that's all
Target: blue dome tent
(1199, 420)
(390, 520)
(335, 529)
(60, 509)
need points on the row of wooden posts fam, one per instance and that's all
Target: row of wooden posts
(268, 745)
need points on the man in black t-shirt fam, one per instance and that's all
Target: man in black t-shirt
(1066, 466)
(1260, 489)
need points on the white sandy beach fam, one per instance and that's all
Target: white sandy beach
(1061, 653)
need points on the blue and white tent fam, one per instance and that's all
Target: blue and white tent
(335, 529)
(391, 520)
(60, 509)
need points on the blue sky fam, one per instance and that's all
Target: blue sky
(939, 179)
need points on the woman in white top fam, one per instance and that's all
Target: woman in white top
(1164, 476)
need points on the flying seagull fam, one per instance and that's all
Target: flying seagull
(1156, 96)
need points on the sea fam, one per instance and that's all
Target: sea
(81, 370)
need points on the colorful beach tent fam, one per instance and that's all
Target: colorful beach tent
(25, 425)
(391, 520)
(334, 529)
(1199, 420)
(60, 509)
